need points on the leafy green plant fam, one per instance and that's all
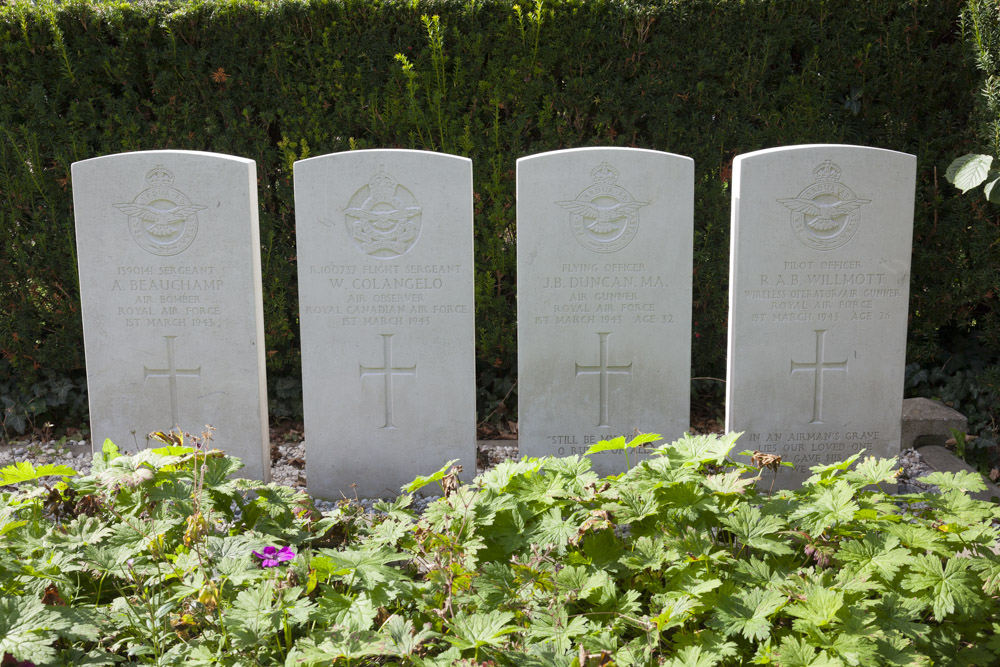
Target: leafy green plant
(52, 397)
(163, 558)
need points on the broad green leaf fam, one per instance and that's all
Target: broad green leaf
(829, 505)
(362, 567)
(635, 506)
(988, 567)
(676, 611)
(704, 647)
(24, 471)
(854, 641)
(402, 638)
(579, 581)
(480, 629)
(872, 471)
(963, 480)
(820, 606)
(110, 449)
(618, 444)
(276, 500)
(756, 572)
(357, 614)
(956, 511)
(696, 450)
(728, 483)
(253, 618)
(11, 525)
(80, 532)
(28, 629)
(648, 553)
(991, 189)
(968, 171)
(421, 481)
(917, 537)
(554, 530)
(797, 652)
(340, 643)
(753, 528)
(576, 472)
(952, 587)
(172, 450)
(901, 614)
(499, 477)
(127, 471)
(826, 473)
(876, 553)
(746, 613)
(554, 626)
(694, 656)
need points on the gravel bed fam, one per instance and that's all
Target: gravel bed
(288, 464)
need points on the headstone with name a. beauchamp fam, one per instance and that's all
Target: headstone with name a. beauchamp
(604, 246)
(819, 285)
(387, 318)
(169, 257)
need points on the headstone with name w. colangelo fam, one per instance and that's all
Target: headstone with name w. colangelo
(169, 256)
(387, 318)
(604, 249)
(819, 286)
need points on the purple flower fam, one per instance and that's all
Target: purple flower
(272, 557)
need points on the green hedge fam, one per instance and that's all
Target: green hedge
(282, 80)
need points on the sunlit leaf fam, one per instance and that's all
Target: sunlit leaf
(968, 171)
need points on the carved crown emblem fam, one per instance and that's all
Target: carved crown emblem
(160, 176)
(827, 172)
(382, 186)
(604, 174)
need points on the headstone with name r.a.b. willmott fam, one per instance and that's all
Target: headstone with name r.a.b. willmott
(819, 284)
(169, 257)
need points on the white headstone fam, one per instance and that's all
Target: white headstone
(819, 283)
(604, 244)
(387, 318)
(169, 256)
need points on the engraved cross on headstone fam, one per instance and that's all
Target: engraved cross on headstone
(171, 372)
(603, 370)
(388, 371)
(818, 367)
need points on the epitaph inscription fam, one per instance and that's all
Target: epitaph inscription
(162, 219)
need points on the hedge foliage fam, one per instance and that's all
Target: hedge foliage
(281, 80)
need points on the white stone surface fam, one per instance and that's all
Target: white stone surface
(819, 287)
(604, 243)
(168, 250)
(385, 282)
